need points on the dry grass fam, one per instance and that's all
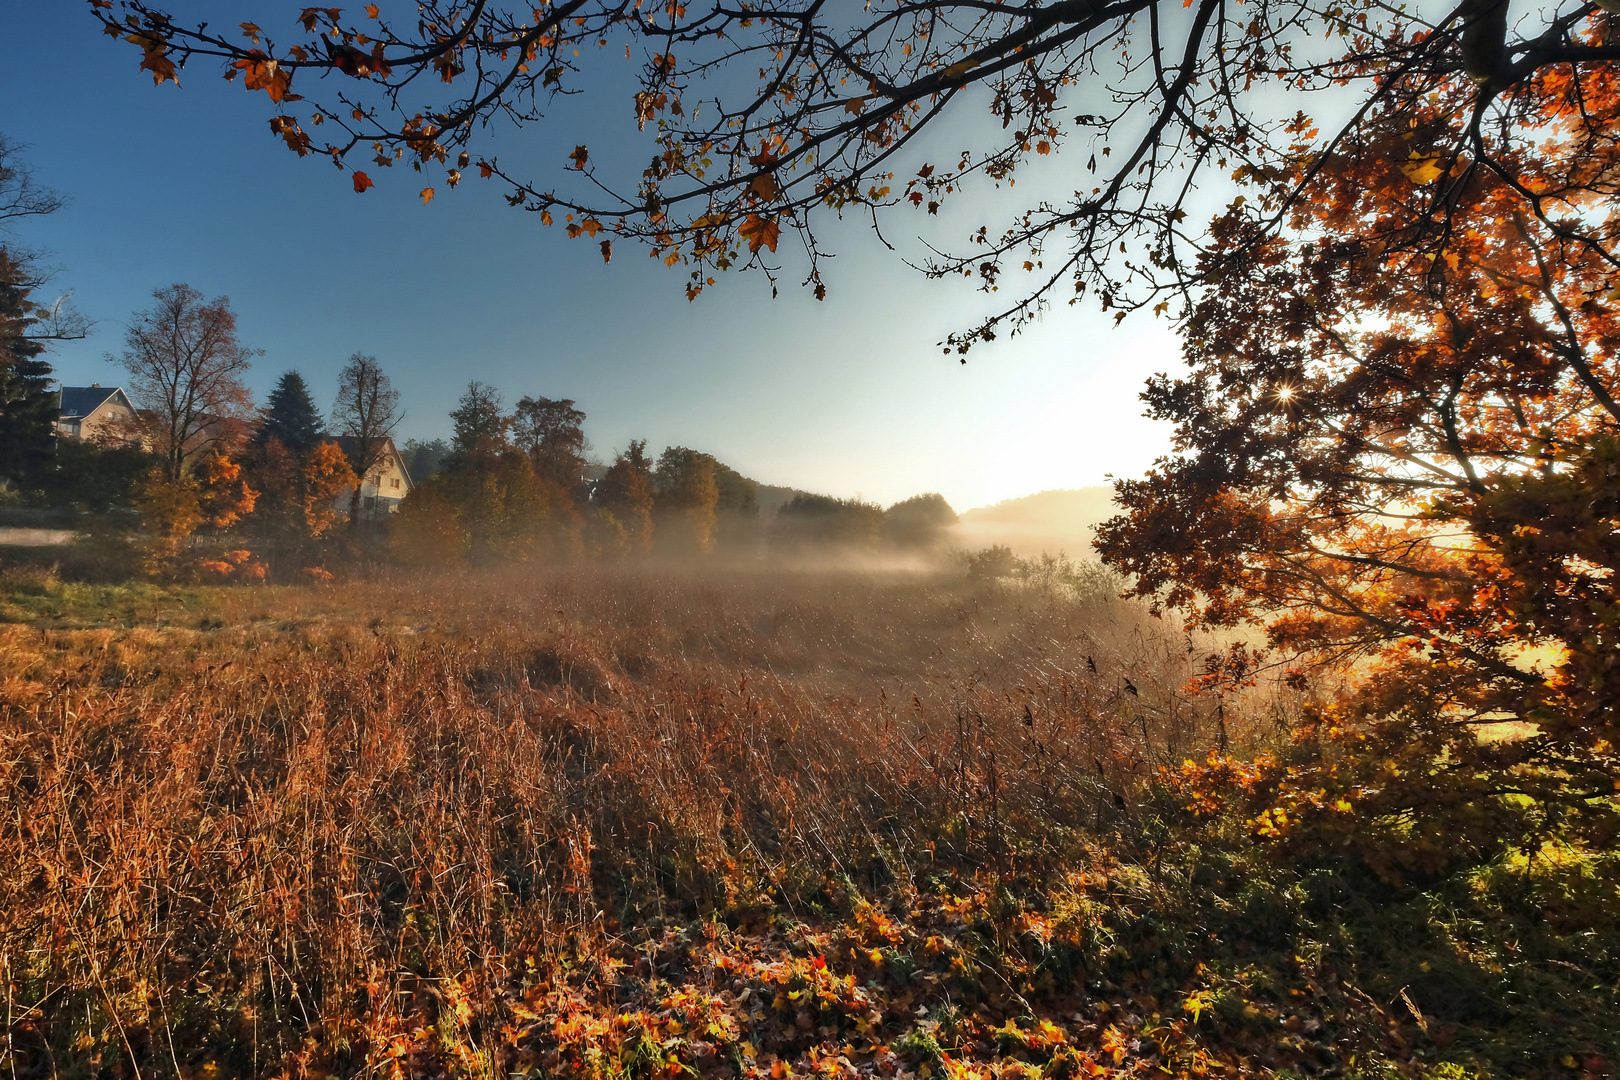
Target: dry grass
(600, 824)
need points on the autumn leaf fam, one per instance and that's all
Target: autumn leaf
(161, 67)
(485, 170)
(371, 11)
(580, 156)
(759, 232)
(361, 182)
(427, 195)
(590, 227)
(262, 73)
(765, 188)
(607, 250)
(1422, 168)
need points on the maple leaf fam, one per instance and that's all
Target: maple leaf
(590, 226)
(765, 188)
(361, 182)
(427, 195)
(580, 156)
(759, 232)
(371, 11)
(161, 67)
(262, 73)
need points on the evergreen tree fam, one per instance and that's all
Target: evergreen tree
(28, 406)
(291, 417)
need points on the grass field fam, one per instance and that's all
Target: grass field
(631, 825)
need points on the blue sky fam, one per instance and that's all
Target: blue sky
(850, 396)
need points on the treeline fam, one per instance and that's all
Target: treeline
(517, 487)
(202, 484)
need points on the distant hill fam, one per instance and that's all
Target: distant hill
(1062, 520)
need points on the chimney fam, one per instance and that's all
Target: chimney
(94, 384)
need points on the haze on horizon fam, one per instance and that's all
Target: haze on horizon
(851, 397)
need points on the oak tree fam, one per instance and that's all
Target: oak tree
(552, 434)
(186, 367)
(1397, 449)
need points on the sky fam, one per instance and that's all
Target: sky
(851, 396)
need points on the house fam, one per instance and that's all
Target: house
(383, 487)
(96, 413)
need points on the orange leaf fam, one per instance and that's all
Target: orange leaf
(607, 250)
(759, 232)
(371, 11)
(427, 195)
(580, 155)
(591, 226)
(765, 188)
(263, 73)
(161, 67)
(361, 182)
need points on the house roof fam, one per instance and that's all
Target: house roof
(83, 400)
(348, 445)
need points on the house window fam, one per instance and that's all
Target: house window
(394, 483)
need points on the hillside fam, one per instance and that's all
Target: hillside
(1060, 520)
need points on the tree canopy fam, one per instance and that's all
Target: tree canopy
(766, 117)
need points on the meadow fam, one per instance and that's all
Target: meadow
(644, 824)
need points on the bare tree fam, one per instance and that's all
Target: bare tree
(365, 414)
(21, 196)
(186, 369)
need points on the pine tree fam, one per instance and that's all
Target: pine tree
(27, 404)
(291, 417)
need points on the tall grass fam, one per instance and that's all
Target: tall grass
(354, 830)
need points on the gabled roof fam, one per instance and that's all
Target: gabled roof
(348, 446)
(84, 400)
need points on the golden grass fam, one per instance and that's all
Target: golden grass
(501, 825)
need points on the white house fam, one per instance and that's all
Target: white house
(96, 413)
(383, 487)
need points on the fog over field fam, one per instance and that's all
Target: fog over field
(1046, 522)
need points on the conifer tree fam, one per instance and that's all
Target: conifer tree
(27, 404)
(291, 417)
